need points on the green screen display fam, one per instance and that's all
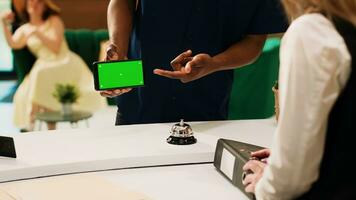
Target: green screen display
(120, 74)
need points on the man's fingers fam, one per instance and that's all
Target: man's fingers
(182, 59)
(105, 94)
(114, 93)
(112, 56)
(109, 94)
(197, 61)
(170, 74)
(190, 65)
(118, 92)
(182, 65)
(112, 53)
(126, 90)
(183, 56)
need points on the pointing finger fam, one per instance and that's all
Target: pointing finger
(170, 74)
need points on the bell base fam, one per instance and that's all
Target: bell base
(181, 141)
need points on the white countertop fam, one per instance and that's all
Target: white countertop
(190, 182)
(83, 150)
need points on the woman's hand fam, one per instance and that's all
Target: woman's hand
(8, 17)
(261, 155)
(187, 67)
(113, 53)
(256, 168)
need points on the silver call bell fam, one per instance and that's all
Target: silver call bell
(181, 134)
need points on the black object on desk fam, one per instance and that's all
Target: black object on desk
(230, 157)
(7, 147)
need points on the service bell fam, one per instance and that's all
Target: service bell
(181, 134)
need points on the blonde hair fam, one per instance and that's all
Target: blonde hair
(345, 9)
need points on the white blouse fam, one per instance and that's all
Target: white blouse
(315, 66)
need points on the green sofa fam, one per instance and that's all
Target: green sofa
(251, 96)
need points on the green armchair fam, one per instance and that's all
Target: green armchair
(85, 43)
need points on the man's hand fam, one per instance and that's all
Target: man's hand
(114, 93)
(188, 68)
(251, 180)
(113, 53)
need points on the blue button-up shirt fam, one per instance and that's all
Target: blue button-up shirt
(163, 29)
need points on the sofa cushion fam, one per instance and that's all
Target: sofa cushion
(86, 43)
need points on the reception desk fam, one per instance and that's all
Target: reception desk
(136, 156)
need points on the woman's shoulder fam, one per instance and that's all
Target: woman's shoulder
(315, 28)
(311, 20)
(55, 20)
(316, 37)
(23, 28)
(316, 33)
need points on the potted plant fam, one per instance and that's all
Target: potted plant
(67, 95)
(276, 99)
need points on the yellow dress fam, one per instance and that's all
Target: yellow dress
(48, 70)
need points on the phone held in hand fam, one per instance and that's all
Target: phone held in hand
(111, 75)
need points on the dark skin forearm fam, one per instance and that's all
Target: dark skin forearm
(188, 67)
(120, 15)
(240, 54)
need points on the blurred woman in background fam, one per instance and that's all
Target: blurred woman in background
(314, 143)
(44, 35)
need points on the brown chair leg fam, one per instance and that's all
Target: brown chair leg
(51, 126)
(36, 109)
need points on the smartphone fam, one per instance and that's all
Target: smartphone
(118, 74)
